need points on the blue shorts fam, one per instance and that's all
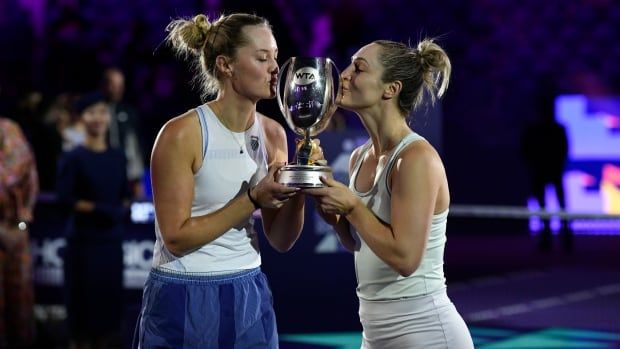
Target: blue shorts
(182, 310)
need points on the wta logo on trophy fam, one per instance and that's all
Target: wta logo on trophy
(305, 76)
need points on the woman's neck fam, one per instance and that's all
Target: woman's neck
(235, 113)
(386, 128)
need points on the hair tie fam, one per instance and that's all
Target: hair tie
(214, 34)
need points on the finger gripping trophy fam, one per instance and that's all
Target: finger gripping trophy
(307, 105)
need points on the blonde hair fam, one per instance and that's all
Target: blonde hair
(202, 40)
(423, 70)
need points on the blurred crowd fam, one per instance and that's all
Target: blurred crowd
(55, 126)
(501, 50)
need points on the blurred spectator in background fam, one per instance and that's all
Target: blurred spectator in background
(92, 185)
(545, 150)
(72, 131)
(18, 191)
(123, 128)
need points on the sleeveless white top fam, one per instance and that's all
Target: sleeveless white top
(225, 174)
(375, 279)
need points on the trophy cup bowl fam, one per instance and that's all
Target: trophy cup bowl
(307, 103)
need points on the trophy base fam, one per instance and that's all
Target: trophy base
(303, 176)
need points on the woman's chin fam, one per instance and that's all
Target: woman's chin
(341, 102)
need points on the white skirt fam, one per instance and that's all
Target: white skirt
(428, 322)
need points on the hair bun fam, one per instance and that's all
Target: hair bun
(435, 65)
(189, 35)
(203, 24)
(429, 55)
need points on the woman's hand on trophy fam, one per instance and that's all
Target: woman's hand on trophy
(270, 194)
(334, 199)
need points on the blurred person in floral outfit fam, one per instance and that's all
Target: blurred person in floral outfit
(18, 191)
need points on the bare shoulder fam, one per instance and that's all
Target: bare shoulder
(272, 129)
(182, 128)
(419, 169)
(420, 154)
(180, 139)
(421, 148)
(275, 141)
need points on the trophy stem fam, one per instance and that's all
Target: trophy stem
(303, 154)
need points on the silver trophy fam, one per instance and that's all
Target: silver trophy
(307, 105)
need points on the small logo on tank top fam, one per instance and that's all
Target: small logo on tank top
(254, 142)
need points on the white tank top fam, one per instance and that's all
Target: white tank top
(226, 173)
(375, 279)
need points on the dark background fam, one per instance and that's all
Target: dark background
(505, 55)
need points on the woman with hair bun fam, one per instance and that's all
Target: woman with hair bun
(212, 167)
(393, 213)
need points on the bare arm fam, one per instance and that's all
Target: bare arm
(282, 225)
(337, 221)
(343, 232)
(176, 157)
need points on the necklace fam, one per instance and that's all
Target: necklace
(227, 128)
(236, 141)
